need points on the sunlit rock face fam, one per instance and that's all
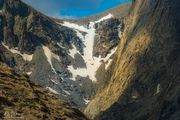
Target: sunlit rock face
(145, 77)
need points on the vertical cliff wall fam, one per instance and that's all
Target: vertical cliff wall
(146, 76)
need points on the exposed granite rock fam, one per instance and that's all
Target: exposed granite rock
(26, 30)
(23, 25)
(107, 36)
(145, 80)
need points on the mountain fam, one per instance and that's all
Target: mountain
(22, 99)
(122, 64)
(145, 78)
(70, 59)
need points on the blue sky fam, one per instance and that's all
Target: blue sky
(73, 8)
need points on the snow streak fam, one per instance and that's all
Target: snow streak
(92, 63)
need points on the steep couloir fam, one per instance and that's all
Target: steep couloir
(145, 84)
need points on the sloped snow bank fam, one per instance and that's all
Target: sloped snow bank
(92, 63)
(26, 57)
(49, 55)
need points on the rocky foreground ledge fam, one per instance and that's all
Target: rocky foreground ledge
(22, 99)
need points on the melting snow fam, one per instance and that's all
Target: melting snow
(54, 81)
(68, 93)
(50, 89)
(29, 73)
(158, 89)
(107, 59)
(134, 97)
(49, 56)
(75, 26)
(104, 18)
(79, 34)
(108, 64)
(92, 63)
(86, 101)
(60, 45)
(26, 57)
(119, 30)
(73, 51)
(110, 54)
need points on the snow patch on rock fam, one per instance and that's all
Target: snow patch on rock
(54, 81)
(119, 30)
(92, 63)
(53, 91)
(75, 26)
(73, 51)
(108, 64)
(104, 18)
(68, 93)
(29, 73)
(158, 88)
(61, 46)
(26, 57)
(86, 101)
(108, 59)
(49, 55)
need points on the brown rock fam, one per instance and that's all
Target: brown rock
(145, 80)
(22, 99)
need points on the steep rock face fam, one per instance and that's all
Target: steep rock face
(33, 44)
(55, 55)
(107, 36)
(31, 41)
(21, 25)
(23, 29)
(22, 99)
(146, 74)
(85, 66)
